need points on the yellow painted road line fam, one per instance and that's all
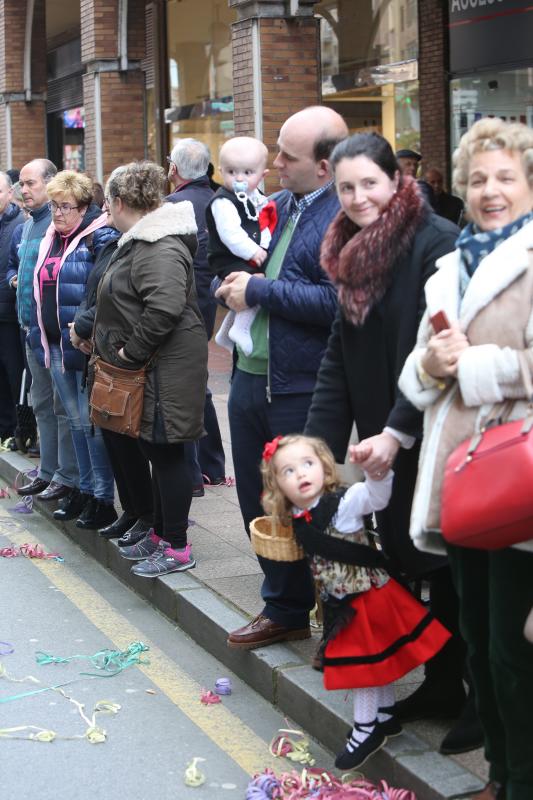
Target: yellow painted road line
(225, 729)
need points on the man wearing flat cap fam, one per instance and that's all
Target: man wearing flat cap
(409, 161)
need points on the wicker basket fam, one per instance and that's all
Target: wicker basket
(274, 541)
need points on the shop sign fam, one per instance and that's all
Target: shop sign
(489, 33)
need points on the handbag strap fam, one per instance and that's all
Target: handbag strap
(526, 375)
(500, 412)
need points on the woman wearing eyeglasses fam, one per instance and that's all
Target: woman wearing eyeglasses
(67, 252)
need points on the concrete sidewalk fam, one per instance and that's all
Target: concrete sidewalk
(224, 591)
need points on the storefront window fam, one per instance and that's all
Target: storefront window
(73, 146)
(369, 66)
(200, 71)
(508, 95)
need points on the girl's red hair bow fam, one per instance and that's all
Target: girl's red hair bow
(270, 448)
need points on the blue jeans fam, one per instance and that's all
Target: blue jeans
(58, 459)
(96, 474)
(288, 590)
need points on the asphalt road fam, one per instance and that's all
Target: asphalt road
(78, 608)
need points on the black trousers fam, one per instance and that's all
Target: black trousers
(11, 367)
(171, 490)
(496, 594)
(288, 589)
(132, 474)
(205, 457)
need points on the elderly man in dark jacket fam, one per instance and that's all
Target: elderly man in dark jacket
(272, 388)
(187, 172)
(11, 359)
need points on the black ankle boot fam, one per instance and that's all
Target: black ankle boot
(431, 701)
(466, 734)
(134, 534)
(71, 506)
(117, 528)
(96, 514)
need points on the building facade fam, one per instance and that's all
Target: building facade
(96, 83)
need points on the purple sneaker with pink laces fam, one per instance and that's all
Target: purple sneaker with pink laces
(165, 560)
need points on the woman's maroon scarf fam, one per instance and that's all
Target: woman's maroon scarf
(360, 261)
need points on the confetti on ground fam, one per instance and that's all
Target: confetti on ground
(223, 686)
(29, 551)
(320, 785)
(93, 733)
(193, 776)
(108, 661)
(283, 746)
(209, 698)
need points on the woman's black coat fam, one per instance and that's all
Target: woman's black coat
(358, 382)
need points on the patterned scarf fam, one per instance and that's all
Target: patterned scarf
(475, 245)
(360, 261)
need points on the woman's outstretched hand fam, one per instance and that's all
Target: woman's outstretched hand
(375, 454)
(443, 351)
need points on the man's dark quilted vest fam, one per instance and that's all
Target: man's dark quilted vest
(220, 259)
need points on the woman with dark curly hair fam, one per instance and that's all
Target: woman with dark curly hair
(147, 314)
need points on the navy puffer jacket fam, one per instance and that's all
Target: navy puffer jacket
(302, 301)
(76, 264)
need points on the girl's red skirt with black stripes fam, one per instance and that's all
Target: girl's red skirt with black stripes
(391, 634)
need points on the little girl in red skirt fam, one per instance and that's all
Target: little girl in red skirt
(374, 629)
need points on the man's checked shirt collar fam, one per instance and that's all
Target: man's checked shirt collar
(299, 205)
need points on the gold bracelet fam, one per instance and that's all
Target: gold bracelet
(427, 380)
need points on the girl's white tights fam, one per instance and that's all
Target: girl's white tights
(387, 698)
(369, 705)
(365, 713)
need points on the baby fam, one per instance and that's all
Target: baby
(240, 223)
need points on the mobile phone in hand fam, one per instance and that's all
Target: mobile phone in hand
(440, 321)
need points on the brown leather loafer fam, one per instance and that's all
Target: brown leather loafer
(261, 632)
(492, 791)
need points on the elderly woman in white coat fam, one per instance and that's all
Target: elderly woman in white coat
(485, 287)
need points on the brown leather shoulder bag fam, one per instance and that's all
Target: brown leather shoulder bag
(117, 397)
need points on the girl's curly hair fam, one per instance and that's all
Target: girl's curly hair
(273, 500)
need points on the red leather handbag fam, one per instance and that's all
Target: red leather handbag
(487, 494)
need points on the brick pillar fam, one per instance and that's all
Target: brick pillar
(276, 66)
(22, 104)
(434, 87)
(113, 86)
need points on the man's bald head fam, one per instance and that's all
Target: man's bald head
(435, 179)
(305, 142)
(325, 124)
(33, 179)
